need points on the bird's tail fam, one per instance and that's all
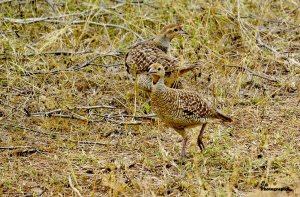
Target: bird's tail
(223, 117)
(189, 67)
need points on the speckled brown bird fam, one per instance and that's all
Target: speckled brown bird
(180, 109)
(141, 56)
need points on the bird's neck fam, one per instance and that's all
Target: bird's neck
(163, 41)
(159, 83)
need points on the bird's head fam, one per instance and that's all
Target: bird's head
(157, 70)
(172, 30)
(167, 33)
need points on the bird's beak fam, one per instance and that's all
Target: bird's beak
(183, 32)
(151, 70)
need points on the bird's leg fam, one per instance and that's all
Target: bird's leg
(199, 140)
(182, 132)
(184, 142)
(197, 73)
(135, 89)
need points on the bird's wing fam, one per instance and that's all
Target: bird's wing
(188, 67)
(191, 105)
(146, 54)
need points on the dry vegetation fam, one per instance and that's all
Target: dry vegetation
(66, 125)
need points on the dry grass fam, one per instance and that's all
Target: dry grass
(251, 71)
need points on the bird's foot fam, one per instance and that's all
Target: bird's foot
(200, 144)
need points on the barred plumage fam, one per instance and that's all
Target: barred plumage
(180, 109)
(141, 56)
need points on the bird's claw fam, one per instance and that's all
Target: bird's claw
(201, 145)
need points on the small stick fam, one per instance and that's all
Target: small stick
(85, 64)
(93, 107)
(105, 25)
(5, 1)
(49, 19)
(9, 32)
(48, 134)
(13, 147)
(292, 60)
(78, 117)
(60, 53)
(53, 6)
(73, 187)
(108, 65)
(126, 123)
(74, 68)
(86, 142)
(49, 113)
(24, 128)
(72, 116)
(130, 116)
(254, 73)
(141, 2)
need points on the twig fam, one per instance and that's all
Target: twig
(53, 114)
(24, 128)
(73, 187)
(51, 53)
(59, 53)
(47, 134)
(264, 76)
(71, 116)
(293, 10)
(78, 117)
(92, 107)
(49, 19)
(13, 147)
(73, 68)
(5, 1)
(116, 6)
(53, 6)
(86, 142)
(105, 25)
(85, 64)
(49, 113)
(141, 2)
(287, 14)
(292, 60)
(9, 32)
(126, 123)
(31, 20)
(108, 65)
(144, 3)
(151, 116)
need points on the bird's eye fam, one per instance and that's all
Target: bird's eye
(158, 69)
(175, 30)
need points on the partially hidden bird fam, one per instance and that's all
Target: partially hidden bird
(140, 56)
